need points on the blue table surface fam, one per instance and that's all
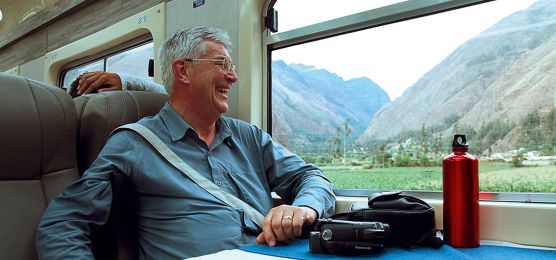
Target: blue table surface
(299, 249)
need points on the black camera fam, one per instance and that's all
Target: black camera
(345, 237)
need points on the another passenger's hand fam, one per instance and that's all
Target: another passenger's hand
(98, 81)
(285, 222)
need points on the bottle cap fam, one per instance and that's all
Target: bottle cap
(459, 141)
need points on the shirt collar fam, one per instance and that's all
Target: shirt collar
(224, 131)
(178, 127)
(174, 122)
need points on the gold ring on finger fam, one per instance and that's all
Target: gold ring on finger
(287, 217)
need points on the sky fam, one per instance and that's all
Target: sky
(394, 56)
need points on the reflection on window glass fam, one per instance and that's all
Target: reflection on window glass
(134, 61)
(72, 74)
(377, 109)
(294, 13)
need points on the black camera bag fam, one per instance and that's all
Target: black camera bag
(411, 220)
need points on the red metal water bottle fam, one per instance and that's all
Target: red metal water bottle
(460, 189)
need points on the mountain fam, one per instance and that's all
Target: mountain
(308, 104)
(503, 73)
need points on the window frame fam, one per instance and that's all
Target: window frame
(104, 55)
(361, 21)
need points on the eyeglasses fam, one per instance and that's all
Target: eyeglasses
(224, 64)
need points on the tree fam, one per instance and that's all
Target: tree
(517, 160)
(438, 145)
(456, 129)
(382, 156)
(347, 132)
(402, 160)
(335, 144)
(423, 145)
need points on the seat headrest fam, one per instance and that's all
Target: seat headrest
(100, 113)
(37, 158)
(38, 122)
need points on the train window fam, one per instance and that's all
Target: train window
(375, 101)
(134, 60)
(323, 10)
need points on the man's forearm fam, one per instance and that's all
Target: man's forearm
(131, 82)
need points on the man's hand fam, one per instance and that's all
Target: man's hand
(285, 222)
(98, 81)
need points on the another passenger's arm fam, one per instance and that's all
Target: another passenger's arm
(100, 81)
(132, 82)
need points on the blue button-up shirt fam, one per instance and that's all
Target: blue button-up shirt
(176, 218)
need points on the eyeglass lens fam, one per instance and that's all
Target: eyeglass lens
(227, 66)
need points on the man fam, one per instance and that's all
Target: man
(176, 218)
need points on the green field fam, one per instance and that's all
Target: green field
(493, 176)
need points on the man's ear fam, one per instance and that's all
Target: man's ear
(179, 68)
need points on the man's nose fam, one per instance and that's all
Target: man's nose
(232, 75)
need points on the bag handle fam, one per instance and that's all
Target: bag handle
(395, 199)
(382, 196)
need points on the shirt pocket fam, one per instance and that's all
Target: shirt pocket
(251, 191)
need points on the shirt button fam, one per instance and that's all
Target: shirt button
(209, 154)
(218, 183)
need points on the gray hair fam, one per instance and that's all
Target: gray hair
(187, 43)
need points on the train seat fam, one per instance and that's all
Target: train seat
(37, 158)
(98, 114)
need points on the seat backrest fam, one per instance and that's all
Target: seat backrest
(98, 115)
(37, 158)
